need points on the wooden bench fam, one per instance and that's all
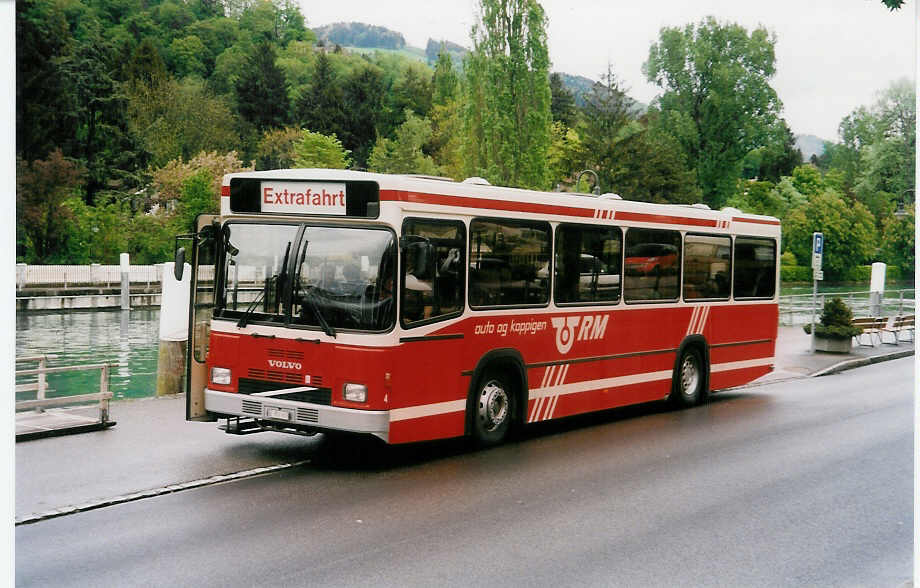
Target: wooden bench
(871, 326)
(895, 326)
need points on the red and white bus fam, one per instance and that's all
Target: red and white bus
(413, 308)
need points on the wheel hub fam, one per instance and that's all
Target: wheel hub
(689, 377)
(493, 406)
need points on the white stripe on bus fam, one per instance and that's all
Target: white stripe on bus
(542, 394)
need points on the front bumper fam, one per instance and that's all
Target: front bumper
(290, 412)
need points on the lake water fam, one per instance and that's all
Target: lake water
(130, 338)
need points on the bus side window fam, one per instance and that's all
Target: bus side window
(707, 267)
(652, 265)
(588, 263)
(432, 285)
(755, 267)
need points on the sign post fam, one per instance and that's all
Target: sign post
(817, 254)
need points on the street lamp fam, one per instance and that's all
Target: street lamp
(597, 182)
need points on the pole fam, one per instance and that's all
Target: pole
(125, 282)
(814, 308)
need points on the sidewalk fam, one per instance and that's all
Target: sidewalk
(154, 450)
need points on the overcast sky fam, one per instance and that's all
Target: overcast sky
(831, 55)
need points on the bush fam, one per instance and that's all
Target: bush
(863, 273)
(788, 258)
(835, 321)
(795, 273)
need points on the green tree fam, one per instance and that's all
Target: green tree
(276, 148)
(363, 102)
(849, 232)
(261, 91)
(177, 120)
(42, 188)
(717, 97)
(320, 105)
(508, 113)
(404, 154)
(445, 83)
(45, 115)
(562, 102)
(318, 150)
(898, 242)
(807, 180)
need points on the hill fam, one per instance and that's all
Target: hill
(809, 145)
(358, 34)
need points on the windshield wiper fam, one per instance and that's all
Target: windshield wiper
(309, 298)
(252, 305)
(308, 295)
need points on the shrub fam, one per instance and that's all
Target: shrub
(835, 321)
(795, 273)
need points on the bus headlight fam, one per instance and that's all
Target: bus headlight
(355, 392)
(220, 376)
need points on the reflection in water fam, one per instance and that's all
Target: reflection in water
(130, 338)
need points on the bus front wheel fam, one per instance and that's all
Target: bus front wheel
(493, 407)
(690, 378)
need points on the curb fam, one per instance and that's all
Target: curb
(863, 361)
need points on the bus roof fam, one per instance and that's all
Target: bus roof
(434, 190)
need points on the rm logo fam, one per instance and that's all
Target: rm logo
(590, 327)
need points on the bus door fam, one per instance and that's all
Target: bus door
(203, 263)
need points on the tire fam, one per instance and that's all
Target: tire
(493, 408)
(689, 379)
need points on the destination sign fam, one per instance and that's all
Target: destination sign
(326, 198)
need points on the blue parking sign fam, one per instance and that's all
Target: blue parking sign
(818, 243)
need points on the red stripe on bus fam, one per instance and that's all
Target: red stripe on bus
(225, 190)
(664, 219)
(469, 202)
(757, 221)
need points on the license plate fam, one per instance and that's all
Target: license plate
(279, 414)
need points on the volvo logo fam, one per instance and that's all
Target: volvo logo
(288, 365)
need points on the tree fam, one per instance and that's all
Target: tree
(276, 149)
(631, 158)
(363, 104)
(780, 155)
(849, 232)
(508, 112)
(320, 105)
(45, 115)
(177, 120)
(42, 188)
(562, 102)
(716, 96)
(168, 180)
(403, 154)
(262, 90)
(445, 84)
(318, 150)
(898, 242)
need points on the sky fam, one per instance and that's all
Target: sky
(831, 55)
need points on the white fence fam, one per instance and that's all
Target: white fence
(84, 275)
(110, 275)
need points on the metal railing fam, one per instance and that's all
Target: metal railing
(40, 386)
(797, 309)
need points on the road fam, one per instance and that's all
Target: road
(798, 483)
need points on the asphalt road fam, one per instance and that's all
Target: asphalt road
(798, 483)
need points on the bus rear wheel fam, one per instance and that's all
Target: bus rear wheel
(493, 407)
(689, 379)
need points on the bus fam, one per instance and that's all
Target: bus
(415, 308)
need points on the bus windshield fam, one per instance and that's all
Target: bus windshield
(328, 278)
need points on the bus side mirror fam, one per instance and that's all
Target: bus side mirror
(179, 267)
